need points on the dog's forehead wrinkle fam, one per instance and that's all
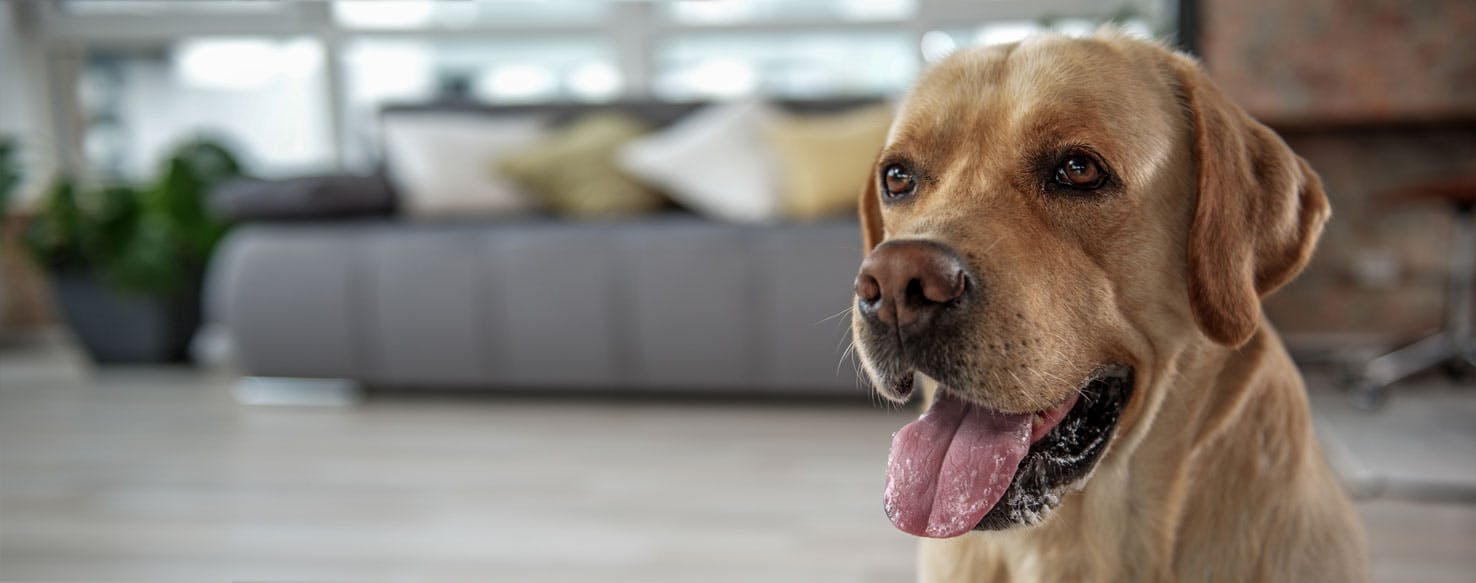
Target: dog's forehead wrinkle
(1030, 95)
(1095, 94)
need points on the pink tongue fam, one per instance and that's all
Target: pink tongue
(948, 468)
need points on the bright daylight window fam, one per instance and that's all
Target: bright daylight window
(400, 71)
(787, 65)
(263, 97)
(937, 44)
(115, 7)
(720, 12)
(298, 86)
(413, 14)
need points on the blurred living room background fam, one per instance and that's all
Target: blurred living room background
(556, 289)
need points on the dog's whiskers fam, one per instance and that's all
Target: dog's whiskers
(845, 354)
(843, 312)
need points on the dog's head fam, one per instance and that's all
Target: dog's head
(1047, 222)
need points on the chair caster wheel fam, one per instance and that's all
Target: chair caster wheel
(1456, 370)
(1369, 396)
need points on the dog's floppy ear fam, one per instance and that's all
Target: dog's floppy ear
(1258, 215)
(871, 218)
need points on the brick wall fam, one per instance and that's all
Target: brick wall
(1375, 94)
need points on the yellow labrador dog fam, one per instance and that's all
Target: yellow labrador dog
(1068, 242)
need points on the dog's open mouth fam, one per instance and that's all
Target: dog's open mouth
(962, 467)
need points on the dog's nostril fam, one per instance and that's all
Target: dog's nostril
(867, 288)
(945, 290)
(906, 282)
(916, 290)
(936, 290)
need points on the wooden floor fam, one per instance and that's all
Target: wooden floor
(158, 475)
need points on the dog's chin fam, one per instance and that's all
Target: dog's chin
(993, 470)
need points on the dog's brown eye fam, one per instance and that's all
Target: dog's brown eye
(1080, 171)
(898, 181)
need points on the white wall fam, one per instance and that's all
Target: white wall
(24, 109)
(278, 128)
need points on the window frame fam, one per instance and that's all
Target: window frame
(635, 30)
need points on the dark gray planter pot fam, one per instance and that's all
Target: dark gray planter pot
(117, 327)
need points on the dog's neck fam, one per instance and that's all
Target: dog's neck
(1194, 430)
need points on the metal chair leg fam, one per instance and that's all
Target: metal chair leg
(1453, 346)
(1390, 368)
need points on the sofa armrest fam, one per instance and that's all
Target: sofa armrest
(310, 197)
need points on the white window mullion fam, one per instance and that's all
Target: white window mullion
(630, 25)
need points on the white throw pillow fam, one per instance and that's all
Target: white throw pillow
(714, 161)
(445, 164)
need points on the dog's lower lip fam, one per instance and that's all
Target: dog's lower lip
(1067, 453)
(1044, 421)
(903, 387)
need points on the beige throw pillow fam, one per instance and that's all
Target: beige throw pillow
(824, 159)
(573, 172)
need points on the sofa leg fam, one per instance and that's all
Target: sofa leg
(298, 392)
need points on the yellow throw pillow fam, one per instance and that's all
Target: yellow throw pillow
(824, 159)
(573, 171)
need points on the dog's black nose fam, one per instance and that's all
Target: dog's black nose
(903, 283)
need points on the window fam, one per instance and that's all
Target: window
(387, 71)
(936, 44)
(296, 85)
(787, 65)
(412, 14)
(115, 7)
(263, 97)
(722, 12)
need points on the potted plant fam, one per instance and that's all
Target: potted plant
(10, 178)
(126, 261)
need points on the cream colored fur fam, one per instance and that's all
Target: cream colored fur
(1215, 474)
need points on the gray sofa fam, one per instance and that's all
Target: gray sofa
(666, 303)
(669, 302)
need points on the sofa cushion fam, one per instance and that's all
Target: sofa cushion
(662, 302)
(713, 162)
(573, 171)
(313, 197)
(445, 164)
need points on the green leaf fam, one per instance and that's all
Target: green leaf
(151, 240)
(10, 174)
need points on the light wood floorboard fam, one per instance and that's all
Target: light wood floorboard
(158, 475)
